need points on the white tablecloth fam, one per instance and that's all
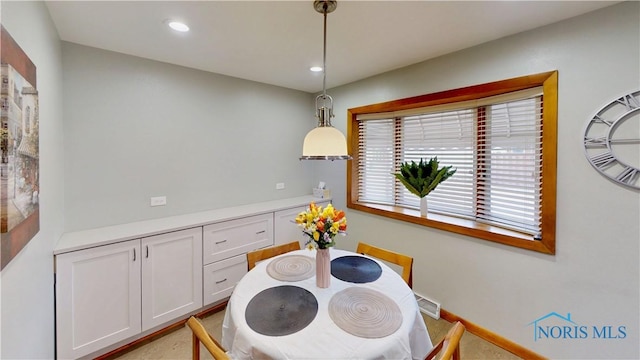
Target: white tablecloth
(322, 338)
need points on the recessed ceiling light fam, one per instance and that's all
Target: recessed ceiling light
(316, 68)
(178, 26)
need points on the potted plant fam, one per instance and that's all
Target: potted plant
(422, 178)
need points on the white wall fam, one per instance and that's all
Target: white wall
(594, 274)
(157, 129)
(137, 128)
(27, 281)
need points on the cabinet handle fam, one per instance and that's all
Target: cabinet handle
(221, 281)
(147, 246)
(134, 254)
(221, 242)
(261, 232)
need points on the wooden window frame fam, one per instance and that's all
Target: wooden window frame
(549, 83)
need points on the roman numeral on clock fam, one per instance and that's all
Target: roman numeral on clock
(598, 119)
(603, 160)
(629, 101)
(628, 175)
(595, 142)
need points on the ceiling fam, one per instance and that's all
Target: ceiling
(276, 42)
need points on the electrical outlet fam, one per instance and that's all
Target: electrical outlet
(279, 186)
(158, 201)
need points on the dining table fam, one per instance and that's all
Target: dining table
(277, 311)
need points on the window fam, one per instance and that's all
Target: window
(501, 138)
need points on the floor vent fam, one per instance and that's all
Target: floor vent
(428, 306)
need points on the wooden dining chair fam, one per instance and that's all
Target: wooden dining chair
(406, 262)
(261, 254)
(449, 347)
(200, 335)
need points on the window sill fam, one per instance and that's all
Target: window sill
(456, 225)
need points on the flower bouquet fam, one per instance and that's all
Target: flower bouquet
(321, 225)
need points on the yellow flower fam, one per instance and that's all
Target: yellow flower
(321, 225)
(328, 212)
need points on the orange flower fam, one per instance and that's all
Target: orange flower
(321, 225)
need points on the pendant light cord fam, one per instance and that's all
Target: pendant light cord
(324, 53)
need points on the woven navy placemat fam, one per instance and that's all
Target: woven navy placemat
(355, 269)
(281, 310)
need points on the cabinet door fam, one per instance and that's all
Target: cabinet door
(97, 298)
(286, 230)
(171, 276)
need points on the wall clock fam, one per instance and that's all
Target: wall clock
(612, 140)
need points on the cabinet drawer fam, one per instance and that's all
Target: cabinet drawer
(237, 237)
(221, 277)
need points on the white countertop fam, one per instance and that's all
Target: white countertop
(83, 239)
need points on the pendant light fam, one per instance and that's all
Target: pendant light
(324, 142)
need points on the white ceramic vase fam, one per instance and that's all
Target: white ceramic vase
(423, 206)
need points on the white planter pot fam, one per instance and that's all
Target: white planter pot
(423, 206)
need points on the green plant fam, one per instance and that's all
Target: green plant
(423, 177)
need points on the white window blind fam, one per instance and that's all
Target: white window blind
(377, 151)
(494, 143)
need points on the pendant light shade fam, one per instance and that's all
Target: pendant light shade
(324, 142)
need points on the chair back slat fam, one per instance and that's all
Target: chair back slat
(261, 254)
(200, 335)
(406, 262)
(449, 346)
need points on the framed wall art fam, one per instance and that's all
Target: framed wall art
(19, 140)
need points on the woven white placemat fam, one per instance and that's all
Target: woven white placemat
(365, 313)
(292, 268)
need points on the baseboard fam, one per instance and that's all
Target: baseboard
(487, 335)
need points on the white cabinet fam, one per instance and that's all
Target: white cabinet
(171, 276)
(225, 245)
(286, 230)
(97, 297)
(110, 293)
(111, 290)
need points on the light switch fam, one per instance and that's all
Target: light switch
(158, 201)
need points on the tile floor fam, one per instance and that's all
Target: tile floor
(177, 344)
